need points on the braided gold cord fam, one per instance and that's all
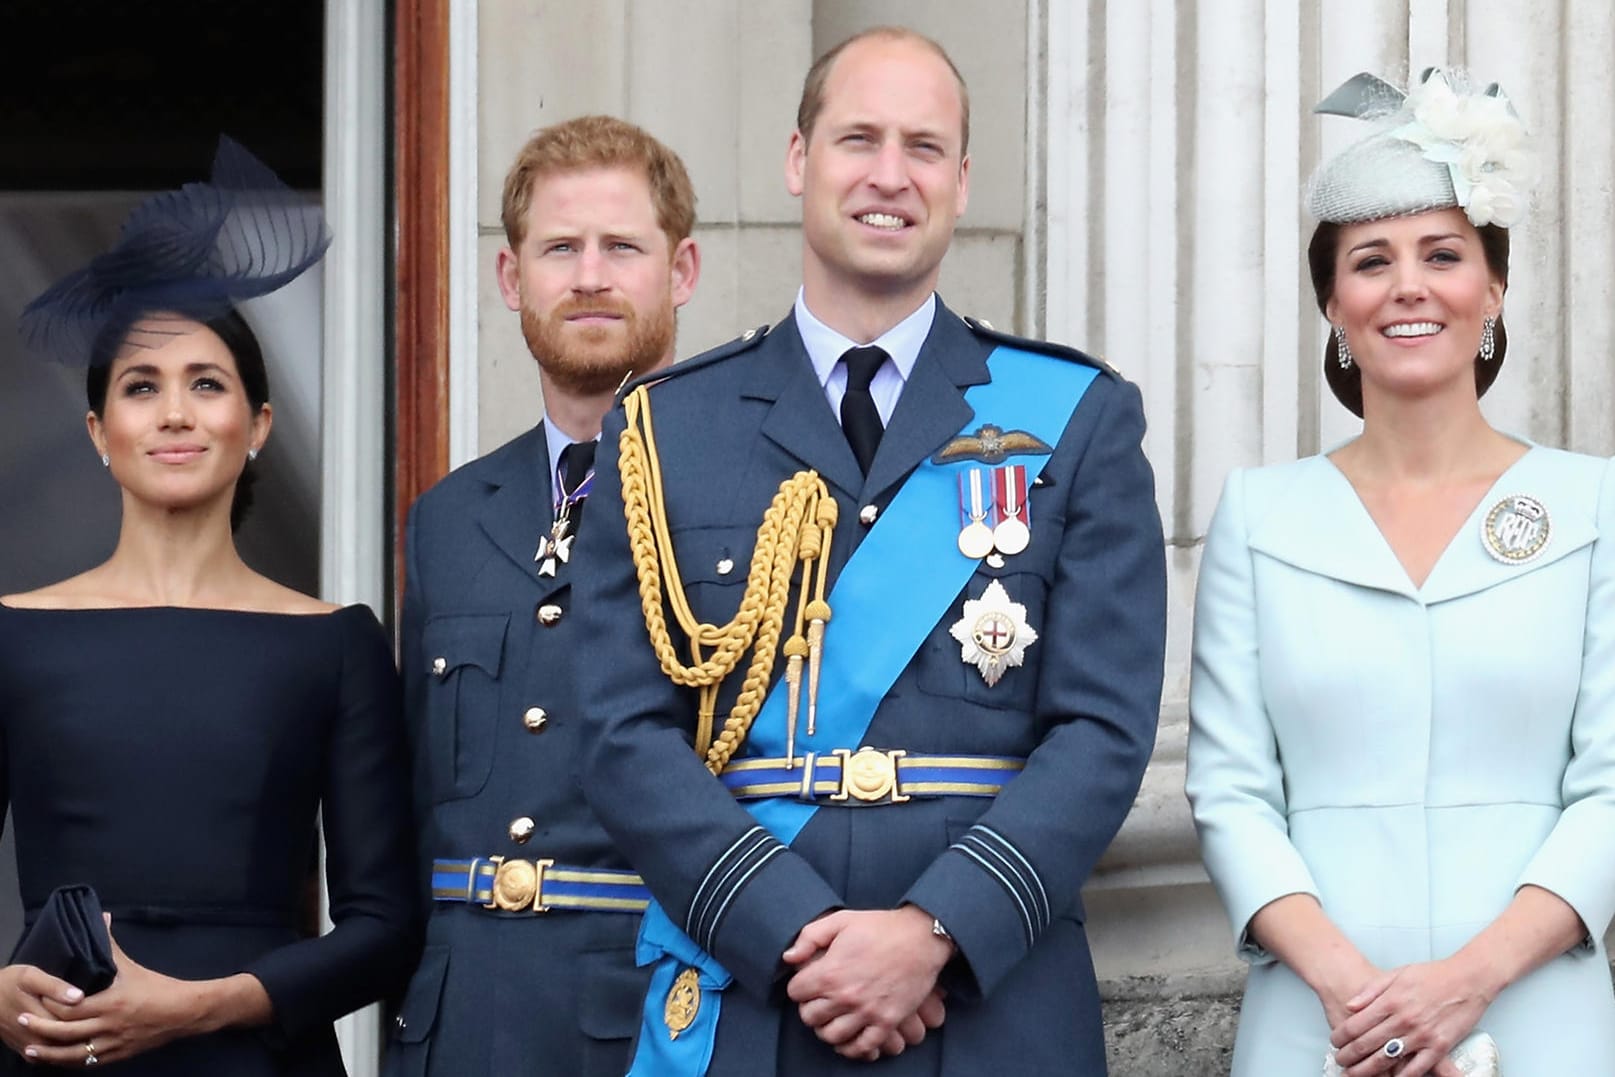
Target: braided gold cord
(795, 529)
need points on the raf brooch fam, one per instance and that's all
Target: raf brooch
(1516, 530)
(993, 634)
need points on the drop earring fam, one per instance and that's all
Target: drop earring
(1342, 348)
(1488, 340)
(252, 454)
(106, 461)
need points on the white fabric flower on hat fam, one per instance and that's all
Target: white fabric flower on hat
(1481, 141)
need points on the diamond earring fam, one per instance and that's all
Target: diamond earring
(252, 454)
(1488, 340)
(106, 461)
(1343, 348)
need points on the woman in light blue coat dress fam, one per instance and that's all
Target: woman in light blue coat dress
(1402, 747)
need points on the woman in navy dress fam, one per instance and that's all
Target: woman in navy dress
(177, 730)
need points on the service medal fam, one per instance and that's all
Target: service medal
(683, 1002)
(1516, 530)
(976, 541)
(555, 546)
(1013, 533)
(975, 536)
(993, 634)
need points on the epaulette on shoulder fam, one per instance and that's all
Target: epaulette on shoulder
(984, 329)
(743, 343)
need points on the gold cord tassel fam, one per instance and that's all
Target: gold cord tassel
(796, 527)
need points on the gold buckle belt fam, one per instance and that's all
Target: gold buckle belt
(870, 776)
(538, 886)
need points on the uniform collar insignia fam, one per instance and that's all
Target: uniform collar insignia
(991, 445)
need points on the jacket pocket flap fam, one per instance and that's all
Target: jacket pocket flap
(419, 1012)
(612, 995)
(464, 639)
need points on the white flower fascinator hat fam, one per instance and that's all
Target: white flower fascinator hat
(1436, 146)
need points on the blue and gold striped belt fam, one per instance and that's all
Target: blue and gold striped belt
(497, 882)
(870, 776)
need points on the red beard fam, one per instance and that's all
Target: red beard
(589, 360)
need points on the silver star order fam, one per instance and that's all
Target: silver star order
(993, 634)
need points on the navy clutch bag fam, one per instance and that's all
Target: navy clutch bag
(69, 940)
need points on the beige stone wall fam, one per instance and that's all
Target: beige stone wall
(718, 81)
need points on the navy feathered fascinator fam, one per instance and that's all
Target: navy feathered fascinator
(190, 254)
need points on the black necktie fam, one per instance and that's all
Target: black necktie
(577, 460)
(860, 419)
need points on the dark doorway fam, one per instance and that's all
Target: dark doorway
(111, 95)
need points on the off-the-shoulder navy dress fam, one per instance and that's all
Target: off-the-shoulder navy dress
(184, 762)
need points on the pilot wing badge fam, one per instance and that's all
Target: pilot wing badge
(991, 445)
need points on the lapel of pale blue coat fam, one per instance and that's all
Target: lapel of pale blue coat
(1318, 524)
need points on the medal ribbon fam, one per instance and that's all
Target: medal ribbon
(975, 505)
(887, 599)
(1009, 491)
(565, 498)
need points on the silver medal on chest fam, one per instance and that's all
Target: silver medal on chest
(555, 547)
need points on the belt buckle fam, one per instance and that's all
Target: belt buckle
(805, 792)
(518, 885)
(471, 880)
(869, 775)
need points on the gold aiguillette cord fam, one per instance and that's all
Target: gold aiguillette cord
(796, 530)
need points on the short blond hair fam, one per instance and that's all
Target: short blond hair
(599, 142)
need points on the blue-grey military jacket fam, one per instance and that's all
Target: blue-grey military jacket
(489, 655)
(1003, 875)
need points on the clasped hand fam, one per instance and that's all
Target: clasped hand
(1430, 1007)
(866, 979)
(49, 1021)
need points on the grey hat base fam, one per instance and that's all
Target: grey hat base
(1379, 177)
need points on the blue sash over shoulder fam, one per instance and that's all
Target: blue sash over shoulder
(887, 599)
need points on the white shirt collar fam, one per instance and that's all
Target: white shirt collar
(902, 341)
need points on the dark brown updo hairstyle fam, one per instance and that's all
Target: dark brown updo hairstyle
(1347, 383)
(238, 336)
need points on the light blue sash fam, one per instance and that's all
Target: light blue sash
(887, 599)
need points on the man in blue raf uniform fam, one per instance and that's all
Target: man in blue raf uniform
(963, 578)
(529, 965)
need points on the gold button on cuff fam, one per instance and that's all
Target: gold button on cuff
(868, 515)
(521, 829)
(549, 614)
(534, 719)
(440, 666)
